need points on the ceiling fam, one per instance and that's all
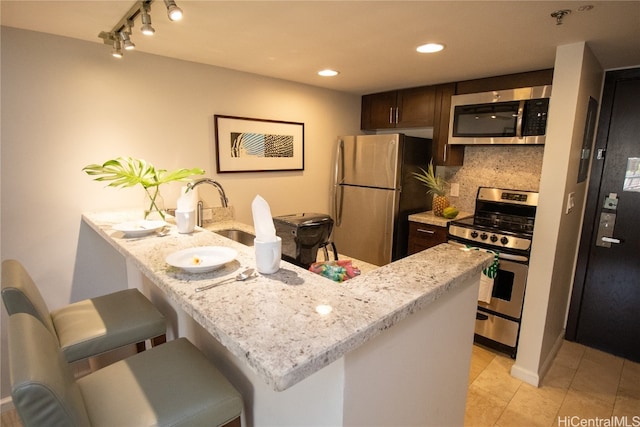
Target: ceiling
(371, 43)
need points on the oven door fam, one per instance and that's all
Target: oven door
(508, 289)
(508, 285)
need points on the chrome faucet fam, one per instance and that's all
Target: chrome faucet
(223, 197)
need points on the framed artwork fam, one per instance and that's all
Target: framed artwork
(258, 145)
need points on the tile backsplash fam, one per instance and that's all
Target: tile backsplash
(514, 167)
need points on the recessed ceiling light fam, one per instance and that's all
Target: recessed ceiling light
(327, 73)
(430, 48)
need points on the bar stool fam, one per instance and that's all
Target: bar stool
(89, 327)
(169, 385)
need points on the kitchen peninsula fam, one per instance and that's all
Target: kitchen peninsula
(389, 347)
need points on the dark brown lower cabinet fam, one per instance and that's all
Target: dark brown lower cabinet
(425, 236)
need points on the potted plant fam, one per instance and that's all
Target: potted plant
(127, 172)
(437, 187)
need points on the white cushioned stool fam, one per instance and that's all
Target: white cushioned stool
(169, 385)
(90, 327)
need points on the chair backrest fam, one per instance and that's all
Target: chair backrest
(43, 388)
(21, 295)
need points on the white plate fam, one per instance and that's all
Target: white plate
(201, 259)
(139, 228)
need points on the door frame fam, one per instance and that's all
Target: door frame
(592, 207)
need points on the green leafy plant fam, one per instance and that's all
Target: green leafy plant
(437, 186)
(428, 178)
(128, 172)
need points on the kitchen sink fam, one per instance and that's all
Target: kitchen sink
(237, 235)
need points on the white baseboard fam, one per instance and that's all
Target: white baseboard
(525, 375)
(6, 404)
(535, 378)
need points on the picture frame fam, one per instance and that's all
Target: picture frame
(258, 145)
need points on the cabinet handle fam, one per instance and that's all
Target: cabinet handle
(422, 230)
(390, 115)
(397, 111)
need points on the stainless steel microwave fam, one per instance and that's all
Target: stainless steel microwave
(514, 116)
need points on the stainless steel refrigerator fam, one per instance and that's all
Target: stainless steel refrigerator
(375, 192)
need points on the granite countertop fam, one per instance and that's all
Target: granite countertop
(226, 224)
(429, 218)
(277, 324)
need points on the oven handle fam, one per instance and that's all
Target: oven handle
(512, 257)
(501, 255)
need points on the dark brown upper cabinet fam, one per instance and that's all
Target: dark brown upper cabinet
(443, 153)
(430, 106)
(507, 81)
(399, 109)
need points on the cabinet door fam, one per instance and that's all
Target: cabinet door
(379, 111)
(425, 236)
(443, 153)
(416, 107)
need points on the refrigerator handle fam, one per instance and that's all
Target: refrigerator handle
(337, 180)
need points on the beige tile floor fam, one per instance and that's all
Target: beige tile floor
(582, 384)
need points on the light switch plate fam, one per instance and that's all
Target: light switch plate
(207, 214)
(455, 189)
(571, 202)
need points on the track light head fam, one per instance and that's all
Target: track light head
(173, 11)
(117, 48)
(146, 28)
(126, 41)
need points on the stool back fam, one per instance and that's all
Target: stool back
(21, 295)
(43, 388)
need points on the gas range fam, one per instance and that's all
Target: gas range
(503, 220)
(503, 223)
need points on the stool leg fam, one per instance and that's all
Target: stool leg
(158, 340)
(233, 423)
(141, 346)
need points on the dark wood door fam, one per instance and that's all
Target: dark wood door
(379, 110)
(425, 236)
(443, 153)
(605, 304)
(416, 107)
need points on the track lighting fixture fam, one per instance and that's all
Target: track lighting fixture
(120, 36)
(146, 28)
(173, 11)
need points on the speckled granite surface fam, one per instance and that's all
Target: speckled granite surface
(272, 323)
(429, 218)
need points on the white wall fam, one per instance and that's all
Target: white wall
(577, 76)
(68, 103)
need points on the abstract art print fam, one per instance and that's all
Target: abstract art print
(257, 145)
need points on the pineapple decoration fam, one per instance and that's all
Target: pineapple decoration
(436, 186)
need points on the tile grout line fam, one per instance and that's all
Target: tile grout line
(566, 392)
(507, 405)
